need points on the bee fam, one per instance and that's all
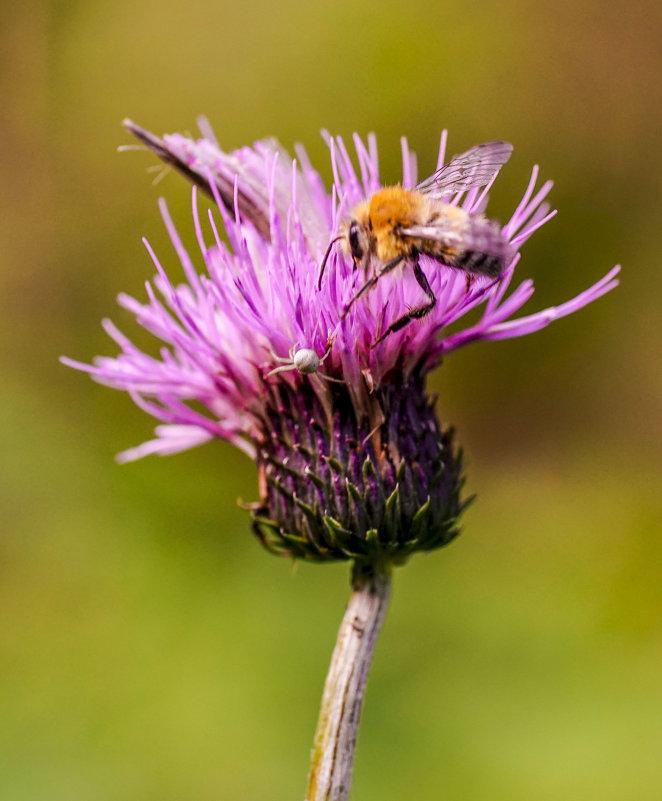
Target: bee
(396, 225)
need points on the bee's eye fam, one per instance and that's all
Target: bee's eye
(355, 242)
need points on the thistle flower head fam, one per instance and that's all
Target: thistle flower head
(352, 460)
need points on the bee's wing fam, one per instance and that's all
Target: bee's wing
(474, 168)
(478, 234)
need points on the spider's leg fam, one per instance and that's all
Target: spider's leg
(282, 369)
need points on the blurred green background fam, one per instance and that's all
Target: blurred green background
(148, 648)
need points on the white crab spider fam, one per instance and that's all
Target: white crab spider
(304, 360)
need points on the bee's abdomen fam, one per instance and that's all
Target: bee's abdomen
(476, 261)
(483, 251)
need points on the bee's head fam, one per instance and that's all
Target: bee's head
(355, 236)
(358, 241)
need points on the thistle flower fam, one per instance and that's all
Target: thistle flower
(352, 460)
(353, 467)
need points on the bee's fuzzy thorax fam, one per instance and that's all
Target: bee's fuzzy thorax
(390, 210)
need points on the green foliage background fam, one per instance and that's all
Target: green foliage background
(148, 648)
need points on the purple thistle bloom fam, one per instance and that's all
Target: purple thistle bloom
(352, 460)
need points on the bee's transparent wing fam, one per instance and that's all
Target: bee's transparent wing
(477, 234)
(469, 170)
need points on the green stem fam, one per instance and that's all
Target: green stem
(335, 738)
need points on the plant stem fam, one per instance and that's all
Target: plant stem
(335, 738)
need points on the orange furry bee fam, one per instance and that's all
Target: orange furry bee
(397, 224)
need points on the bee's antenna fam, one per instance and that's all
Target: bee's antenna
(326, 257)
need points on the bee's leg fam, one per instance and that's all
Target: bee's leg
(386, 268)
(469, 280)
(417, 312)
